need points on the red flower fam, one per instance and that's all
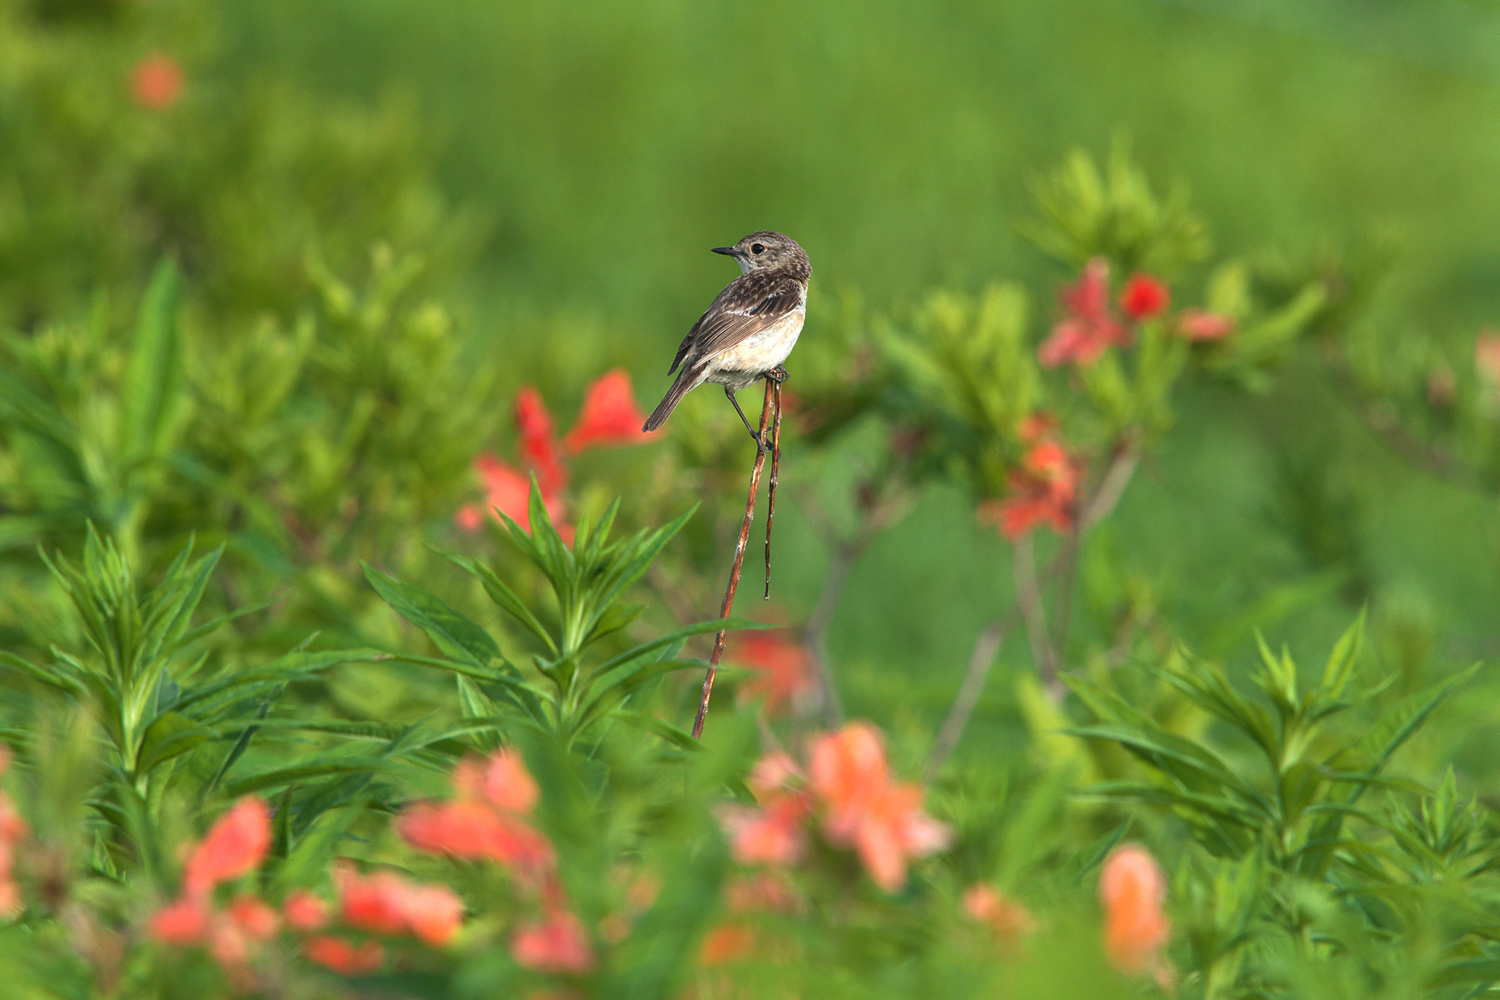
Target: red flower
(343, 957)
(538, 443)
(234, 846)
(506, 783)
(509, 491)
(1043, 490)
(1487, 355)
(771, 835)
(1089, 327)
(1144, 297)
(304, 911)
(1199, 324)
(609, 416)
(386, 903)
(156, 82)
(1133, 889)
(485, 820)
(182, 923)
(726, 943)
(556, 944)
(782, 669)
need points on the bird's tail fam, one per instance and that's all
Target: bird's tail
(687, 380)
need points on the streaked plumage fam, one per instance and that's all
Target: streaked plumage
(749, 329)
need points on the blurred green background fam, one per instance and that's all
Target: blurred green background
(600, 149)
(609, 145)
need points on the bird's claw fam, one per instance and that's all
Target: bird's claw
(778, 374)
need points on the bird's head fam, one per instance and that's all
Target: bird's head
(766, 249)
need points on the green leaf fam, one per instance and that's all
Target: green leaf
(502, 595)
(169, 735)
(454, 634)
(153, 381)
(474, 703)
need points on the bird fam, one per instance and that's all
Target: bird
(748, 330)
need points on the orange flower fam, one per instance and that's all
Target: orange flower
(769, 836)
(234, 846)
(386, 903)
(1089, 326)
(253, 916)
(1487, 355)
(1133, 891)
(894, 828)
(484, 820)
(555, 944)
(610, 416)
(343, 957)
(1008, 919)
(507, 784)
(182, 923)
(726, 943)
(1144, 296)
(865, 809)
(304, 911)
(1199, 324)
(156, 82)
(1043, 490)
(782, 669)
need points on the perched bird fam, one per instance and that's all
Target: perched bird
(749, 329)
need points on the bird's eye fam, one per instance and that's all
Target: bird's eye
(757, 248)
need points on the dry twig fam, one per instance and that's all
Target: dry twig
(734, 572)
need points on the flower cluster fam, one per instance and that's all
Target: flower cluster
(487, 820)
(849, 786)
(234, 847)
(383, 903)
(1090, 325)
(1043, 490)
(609, 418)
(1133, 890)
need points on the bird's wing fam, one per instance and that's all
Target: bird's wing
(749, 304)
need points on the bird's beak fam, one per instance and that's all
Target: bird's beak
(726, 251)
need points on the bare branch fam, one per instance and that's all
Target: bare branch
(986, 648)
(734, 572)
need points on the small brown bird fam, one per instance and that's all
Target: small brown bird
(749, 329)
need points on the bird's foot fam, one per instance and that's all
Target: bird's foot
(778, 374)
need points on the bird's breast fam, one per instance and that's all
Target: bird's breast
(763, 350)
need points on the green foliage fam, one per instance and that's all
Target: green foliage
(588, 578)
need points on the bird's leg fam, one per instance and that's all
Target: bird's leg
(759, 444)
(778, 375)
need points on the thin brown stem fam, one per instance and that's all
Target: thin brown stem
(1029, 601)
(734, 572)
(986, 648)
(771, 489)
(1098, 506)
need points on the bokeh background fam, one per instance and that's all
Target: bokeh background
(567, 167)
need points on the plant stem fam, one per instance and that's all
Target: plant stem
(1029, 601)
(771, 488)
(986, 648)
(734, 572)
(1111, 487)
